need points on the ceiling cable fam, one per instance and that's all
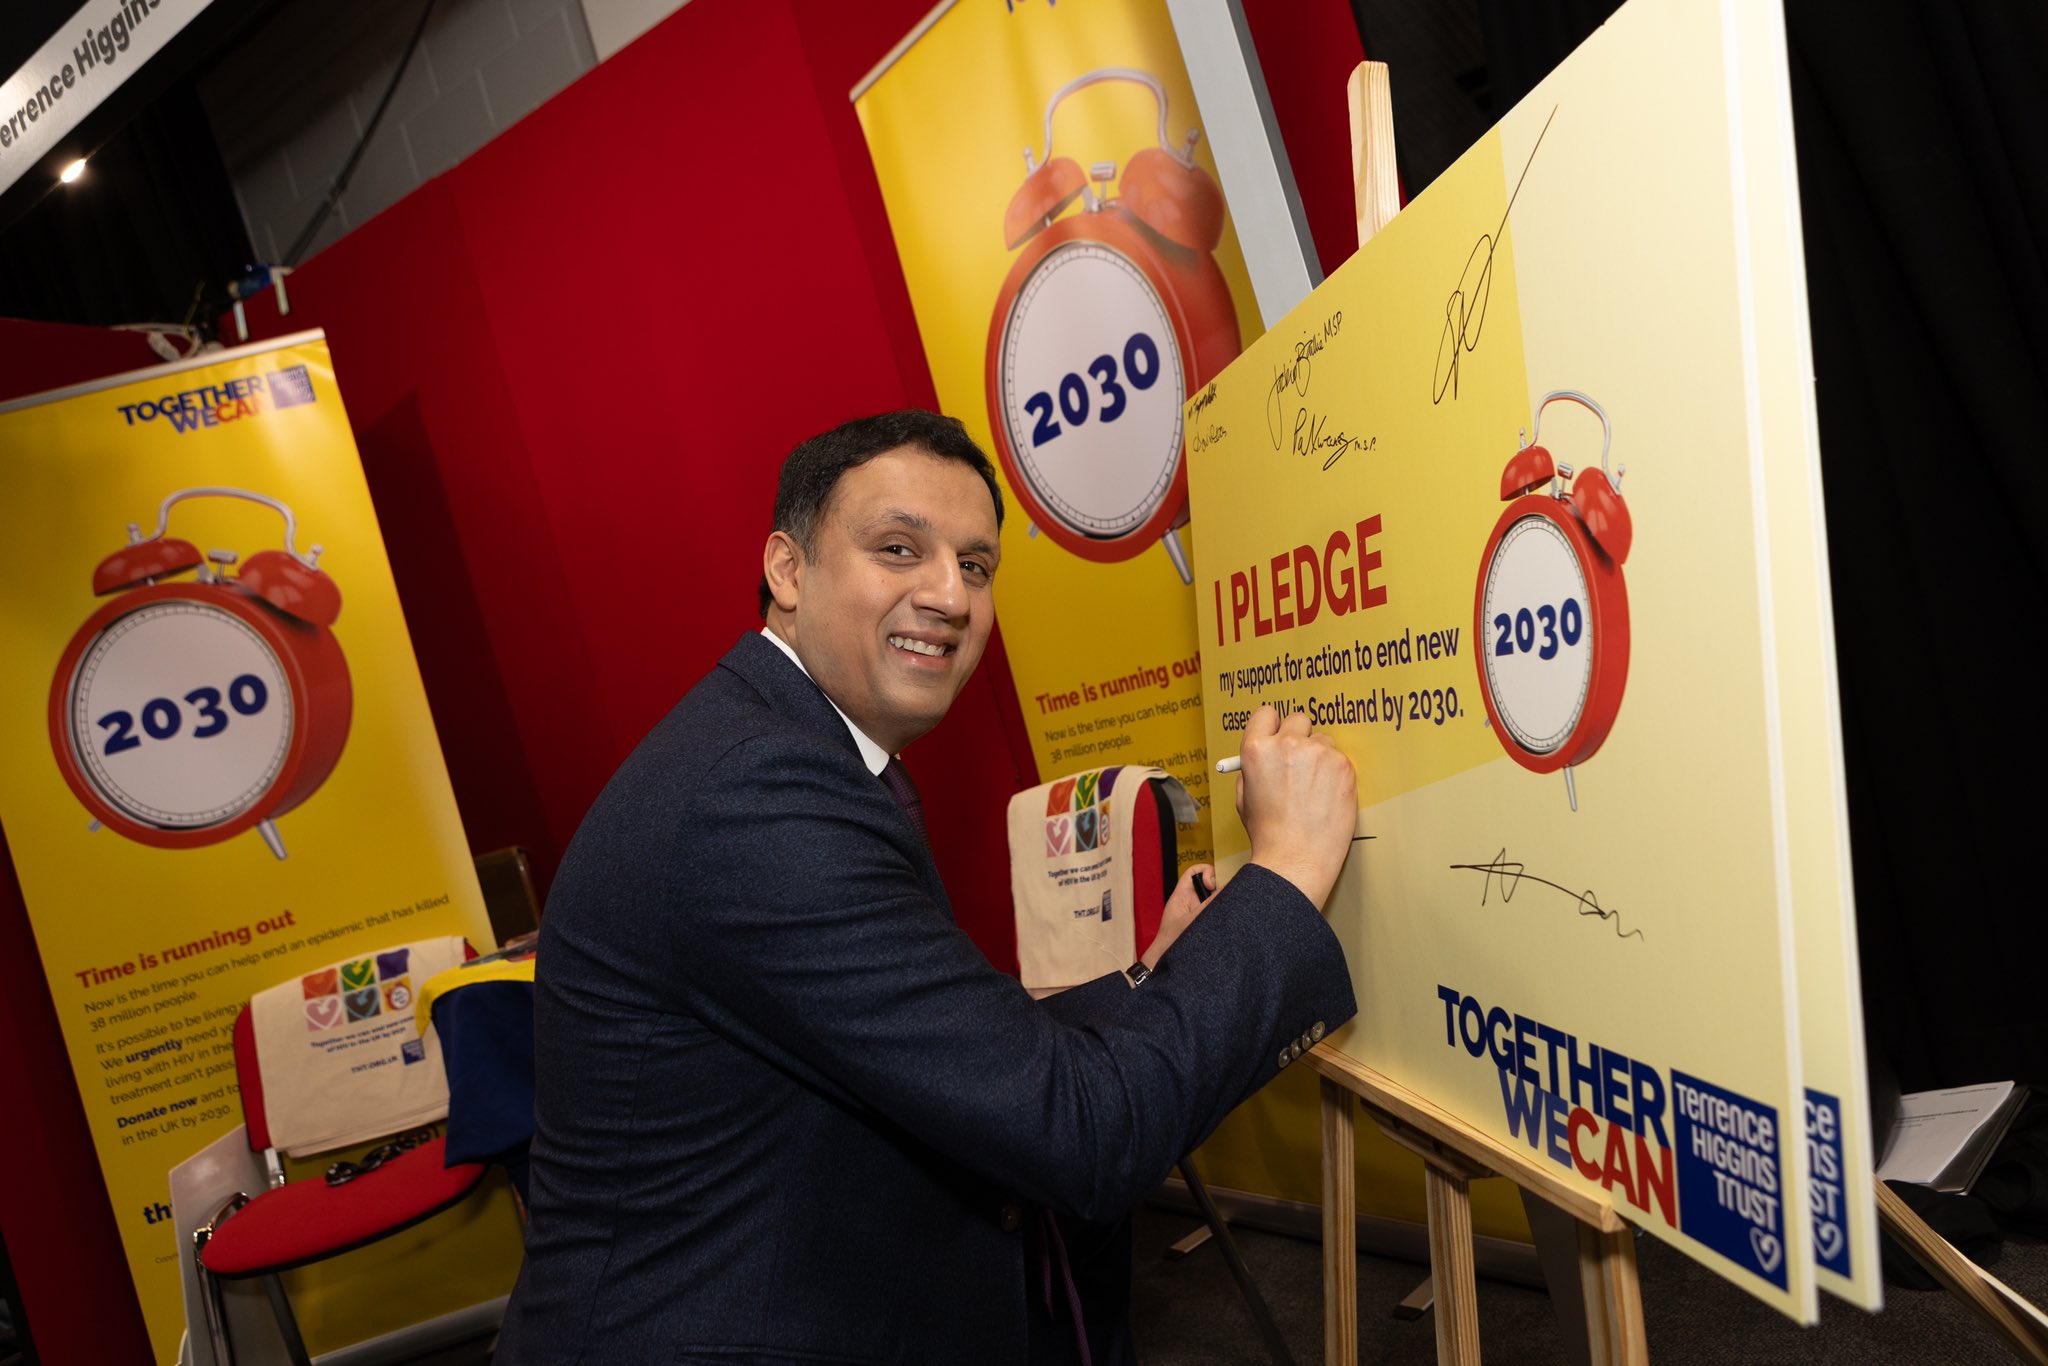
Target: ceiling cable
(348, 169)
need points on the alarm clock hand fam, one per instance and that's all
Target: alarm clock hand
(1298, 798)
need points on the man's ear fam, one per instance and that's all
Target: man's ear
(781, 564)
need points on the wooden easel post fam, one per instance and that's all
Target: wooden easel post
(1453, 1155)
(1340, 1226)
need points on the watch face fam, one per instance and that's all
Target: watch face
(1092, 385)
(180, 715)
(1538, 648)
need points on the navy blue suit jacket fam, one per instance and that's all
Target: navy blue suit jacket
(787, 1111)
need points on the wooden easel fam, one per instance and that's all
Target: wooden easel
(1453, 1155)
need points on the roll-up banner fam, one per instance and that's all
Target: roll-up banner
(221, 774)
(1522, 507)
(1075, 276)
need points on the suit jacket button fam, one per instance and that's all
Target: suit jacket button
(1011, 1217)
(1315, 1033)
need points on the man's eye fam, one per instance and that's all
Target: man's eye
(896, 549)
(975, 569)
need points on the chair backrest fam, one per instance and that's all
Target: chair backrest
(1093, 860)
(1153, 845)
(505, 877)
(250, 1078)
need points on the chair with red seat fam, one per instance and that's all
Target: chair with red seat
(1145, 844)
(294, 1224)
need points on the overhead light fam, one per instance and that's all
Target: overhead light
(73, 171)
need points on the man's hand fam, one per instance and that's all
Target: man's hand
(1298, 799)
(1181, 909)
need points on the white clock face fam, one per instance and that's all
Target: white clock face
(180, 715)
(1538, 637)
(1092, 387)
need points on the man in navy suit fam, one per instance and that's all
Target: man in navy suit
(786, 1110)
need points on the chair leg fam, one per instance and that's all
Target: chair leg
(1276, 1345)
(216, 1318)
(209, 1285)
(287, 1322)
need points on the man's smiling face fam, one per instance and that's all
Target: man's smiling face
(891, 609)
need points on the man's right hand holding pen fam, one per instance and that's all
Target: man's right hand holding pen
(1298, 798)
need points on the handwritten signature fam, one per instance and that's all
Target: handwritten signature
(1511, 875)
(1311, 439)
(1465, 310)
(1296, 372)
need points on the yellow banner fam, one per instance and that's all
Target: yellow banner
(1069, 300)
(1521, 507)
(222, 771)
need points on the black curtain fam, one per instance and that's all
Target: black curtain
(1923, 169)
(1526, 39)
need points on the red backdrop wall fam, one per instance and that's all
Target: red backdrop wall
(573, 364)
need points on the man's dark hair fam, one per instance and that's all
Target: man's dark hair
(814, 469)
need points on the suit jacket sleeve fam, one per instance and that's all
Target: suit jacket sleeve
(804, 930)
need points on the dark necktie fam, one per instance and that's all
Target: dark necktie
(897, 778)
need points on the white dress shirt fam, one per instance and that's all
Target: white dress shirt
(871, 754)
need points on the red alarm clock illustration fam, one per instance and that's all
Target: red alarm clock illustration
(1106, 322)
(185, 711)
(1551, 608)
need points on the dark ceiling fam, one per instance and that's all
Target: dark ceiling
(154, 233)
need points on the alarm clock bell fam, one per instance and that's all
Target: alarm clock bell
(1551, 607)
(1108, 319)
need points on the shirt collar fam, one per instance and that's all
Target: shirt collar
(871, 754)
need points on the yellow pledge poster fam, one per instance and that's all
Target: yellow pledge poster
(222, 774)
(1522, 508)
(1075, 277)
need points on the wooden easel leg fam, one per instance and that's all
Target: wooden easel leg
(1450, 1267)
(1556, 1235)
(1340, 1227)
(1613, 1298)
(2019, 1325)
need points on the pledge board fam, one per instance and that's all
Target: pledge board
(1522, 507)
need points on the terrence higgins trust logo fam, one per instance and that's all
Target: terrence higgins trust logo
(214, 405)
